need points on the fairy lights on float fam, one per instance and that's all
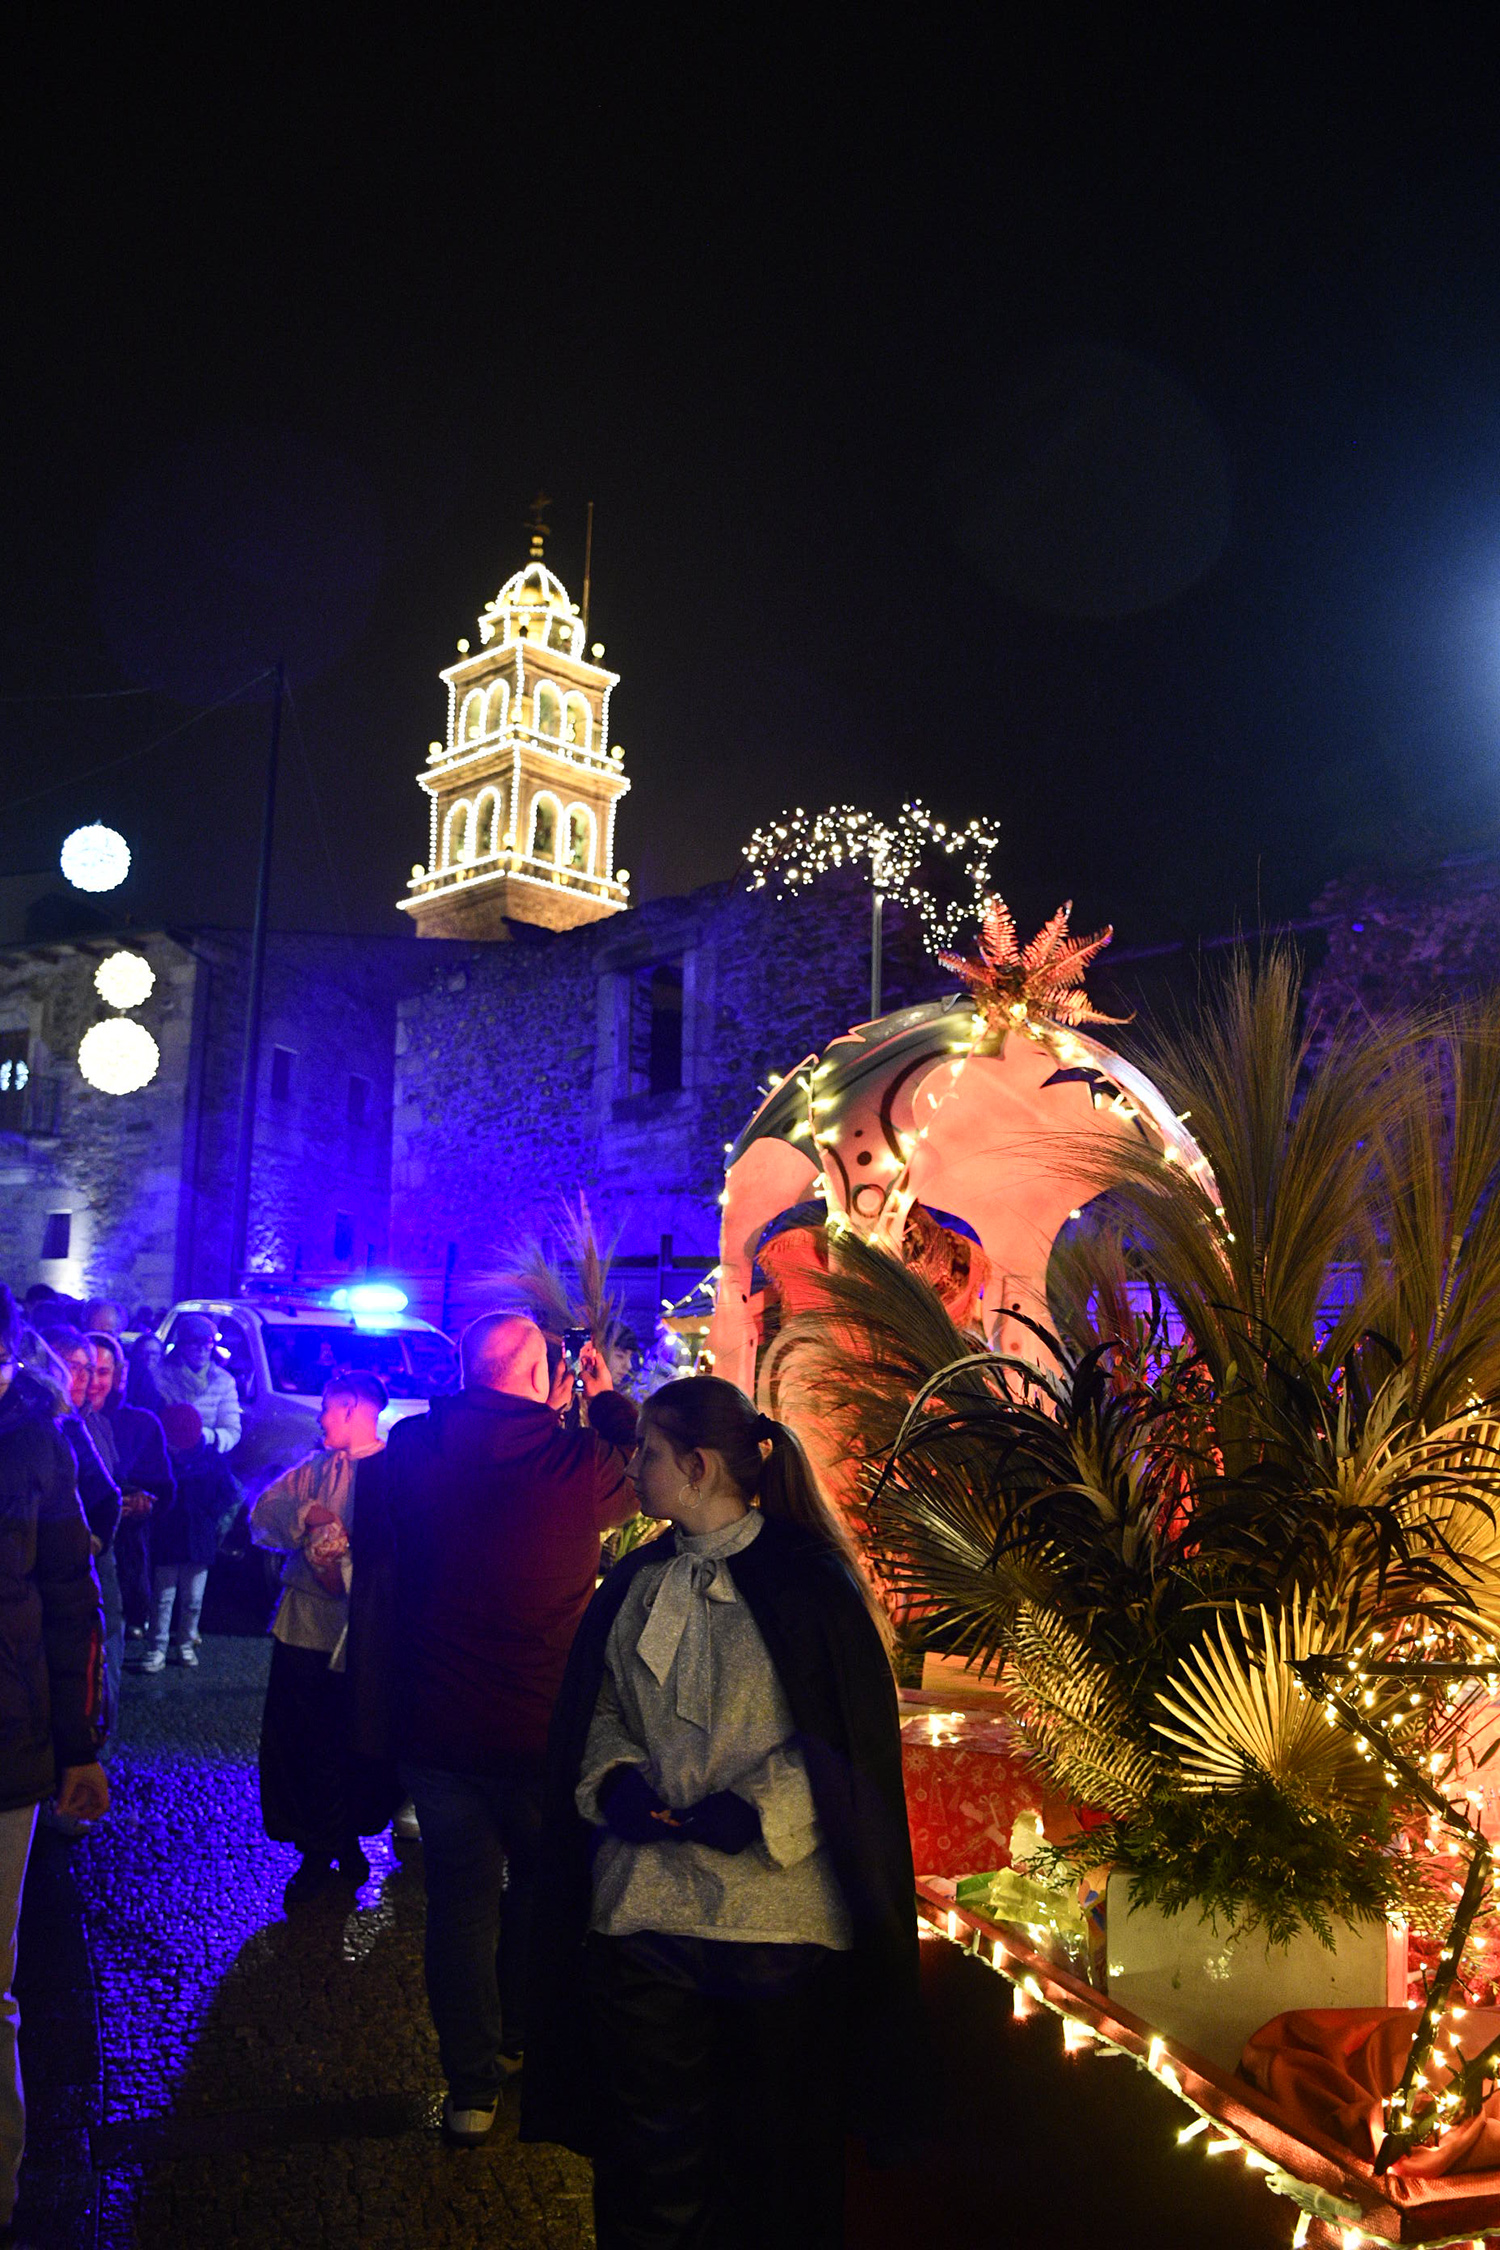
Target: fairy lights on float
(1152, 2053)
(1337, 1681)
(1035, 992)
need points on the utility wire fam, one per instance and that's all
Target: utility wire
(74, 781)
(78, 695)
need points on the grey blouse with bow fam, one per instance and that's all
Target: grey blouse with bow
(690, 1696)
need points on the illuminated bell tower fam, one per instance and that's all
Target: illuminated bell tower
(523, 790)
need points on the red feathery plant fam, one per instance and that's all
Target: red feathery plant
(1045, 978)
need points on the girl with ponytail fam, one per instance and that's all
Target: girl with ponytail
(724, 1948)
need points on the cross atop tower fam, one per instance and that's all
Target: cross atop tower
(522, 791)
(537, 526)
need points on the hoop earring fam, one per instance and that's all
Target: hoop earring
(688, 1492)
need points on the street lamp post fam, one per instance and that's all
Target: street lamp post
(244, 1147)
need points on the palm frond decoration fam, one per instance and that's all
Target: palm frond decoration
(560, 1301)
(1077, 1718)
(1238, 1712)
(1043, 978)
(1142, 1532)
(536, 1277)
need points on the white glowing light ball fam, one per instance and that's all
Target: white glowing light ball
(95, 858)
(118, 1057)
(124, 980)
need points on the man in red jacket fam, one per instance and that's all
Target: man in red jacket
(485, 1515)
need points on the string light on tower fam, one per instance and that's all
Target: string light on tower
(95, 858)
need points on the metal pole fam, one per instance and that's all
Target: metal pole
(588, 568)
(244, 1149)
(877, 917)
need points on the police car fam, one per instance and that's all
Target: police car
(282, 1349)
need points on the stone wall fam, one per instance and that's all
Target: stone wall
(330, 1005)
(148, 1178)
(112, 1163)
(1403, 938)
(514, 1084)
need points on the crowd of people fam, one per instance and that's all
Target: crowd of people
(668, 1879)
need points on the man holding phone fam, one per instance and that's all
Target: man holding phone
(476, 1549)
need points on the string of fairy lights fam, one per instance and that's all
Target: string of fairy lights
(1342, 1685)
(1407, 2125)
(895, 857)
(1082, 2017)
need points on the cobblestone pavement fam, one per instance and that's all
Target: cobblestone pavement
(270, 2080)
(202, 2071)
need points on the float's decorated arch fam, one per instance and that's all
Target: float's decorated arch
(979, 1108)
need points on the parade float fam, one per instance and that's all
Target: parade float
(1166, 1404)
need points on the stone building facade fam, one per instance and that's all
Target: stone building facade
(1408, 937)
(129, 1195)
(617, 1060)
(424, 1108)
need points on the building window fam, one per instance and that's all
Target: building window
(458, 833)
(57, 1235)
(489, 812)
(576, 722)
(343, 1237)
(494, 707)
(548, 711)
(359, 1101)
(544, 828)
(282, 1059)
(15, 1077)
(580, 838)
(471, 717)
(656, 1028)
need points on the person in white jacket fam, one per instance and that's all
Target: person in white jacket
(308, 1791)
(191, 1376)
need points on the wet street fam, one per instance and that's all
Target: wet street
(203, 2069)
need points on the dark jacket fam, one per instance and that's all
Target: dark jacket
(140, 1450)
(186, 1529)
(838, 1683)
(98, 1494)
(51, 1623)
(475, 1547)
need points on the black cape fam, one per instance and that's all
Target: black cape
(838, 1683)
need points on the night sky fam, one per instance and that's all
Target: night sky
(1094, 431)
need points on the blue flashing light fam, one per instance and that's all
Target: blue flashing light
(370, 1297)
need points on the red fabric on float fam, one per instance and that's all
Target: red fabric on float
(1406, 2206)
(1328, 2068)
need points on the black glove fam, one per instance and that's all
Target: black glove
(723, 1821)
(633, 1810)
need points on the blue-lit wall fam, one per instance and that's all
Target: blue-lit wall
(519, 1079)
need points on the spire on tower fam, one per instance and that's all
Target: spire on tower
(538, 527)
